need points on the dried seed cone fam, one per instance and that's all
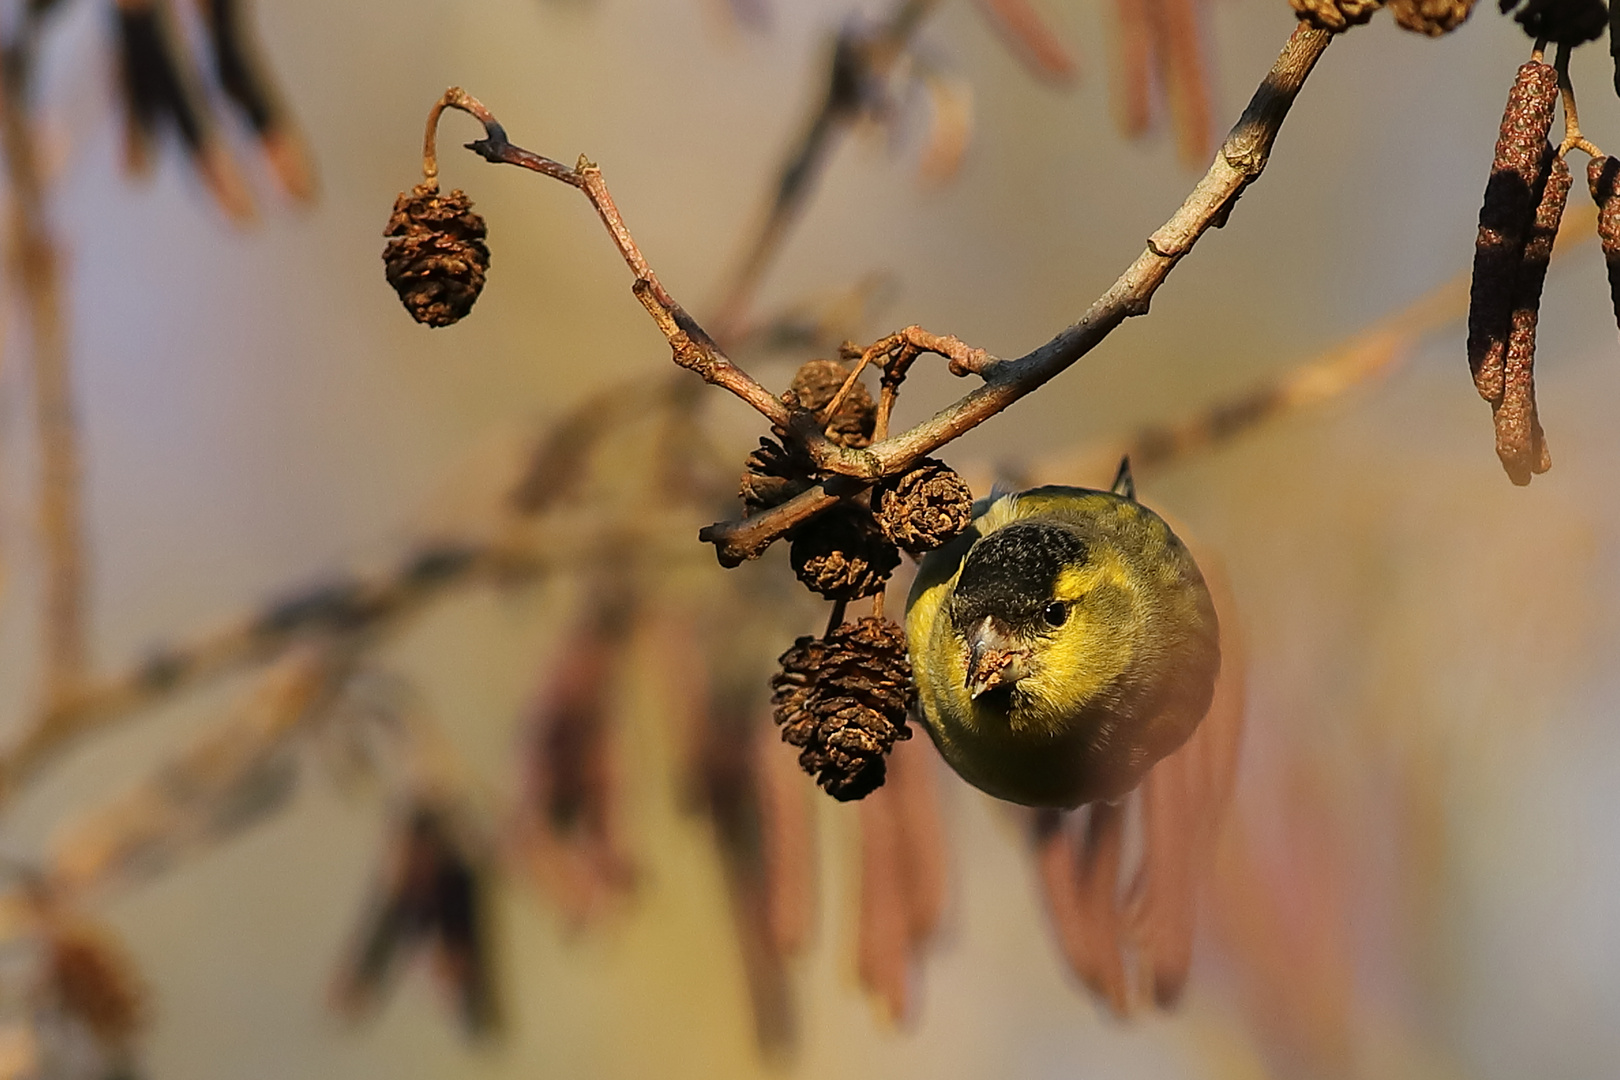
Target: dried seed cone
(924, 507)
(817, 383)
(436, 258)
(1520, 442)
(842, 555)
(843, 701)
(1568, 22)
(1431, 17)
(1603, 180)
(1505, 220)
(1335, 15)
(771, 476)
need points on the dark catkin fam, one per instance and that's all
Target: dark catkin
(436, 258)
(842, 700)
(1567, 22)
(1335, 15)
(1431, 17)
(842, 554)
(1603, 179)
(1520, 442)
(924, 507)
(1505, 220)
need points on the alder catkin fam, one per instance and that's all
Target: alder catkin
(1602, 174)
(1520, 442)
(1505, 220)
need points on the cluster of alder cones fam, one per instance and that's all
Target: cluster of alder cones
(843, 699)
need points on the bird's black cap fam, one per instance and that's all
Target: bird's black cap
(1011, 573)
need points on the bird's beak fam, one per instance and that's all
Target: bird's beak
(993, 659)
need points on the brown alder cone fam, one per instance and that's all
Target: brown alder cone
(924, 507)
(1567, 22)
(1335, 15)
(817, 383)
(843, 701)
(1505, 220)
(771, 476)
(842, 555)
(436, 258)
(1520, 442)
(1603, 180)
(1431, 17)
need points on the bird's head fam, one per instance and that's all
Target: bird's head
(1038, 612)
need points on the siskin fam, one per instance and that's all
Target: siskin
(1061, 645)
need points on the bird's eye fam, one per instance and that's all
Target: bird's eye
(1055, 613)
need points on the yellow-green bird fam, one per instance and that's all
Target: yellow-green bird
(1061, 645)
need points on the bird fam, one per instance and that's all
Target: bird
(1061, 645)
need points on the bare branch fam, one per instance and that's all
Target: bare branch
(693, 348)
(1241, 159)
(34, 258)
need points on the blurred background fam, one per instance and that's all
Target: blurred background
(1426, 866)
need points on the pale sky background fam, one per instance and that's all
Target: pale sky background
(259, 410)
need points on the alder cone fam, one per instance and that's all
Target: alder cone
(436, 258)
(1568, 22)
(771, 476)
(924, 507)
(1335, 15)
(1431, 17)
(842, 555)
(815, 385)
(842, 700)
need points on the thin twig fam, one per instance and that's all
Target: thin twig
(1573, 139)
(1239, 163)
(693, 348)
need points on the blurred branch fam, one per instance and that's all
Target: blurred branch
(1372, 353)
(693, 348)
(35, 262)
(862, 59)
(230, 777)
(1239, 163)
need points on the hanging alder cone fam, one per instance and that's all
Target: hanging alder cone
(924, 507)
(843, 701)
(436, 259)
(1567, 22)
(1431, 17)
(842, 554)
(1335, 15)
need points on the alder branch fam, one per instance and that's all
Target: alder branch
(34, 260)
(1240, 161)
(693, 348)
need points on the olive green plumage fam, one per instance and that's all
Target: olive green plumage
(1061, 645)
